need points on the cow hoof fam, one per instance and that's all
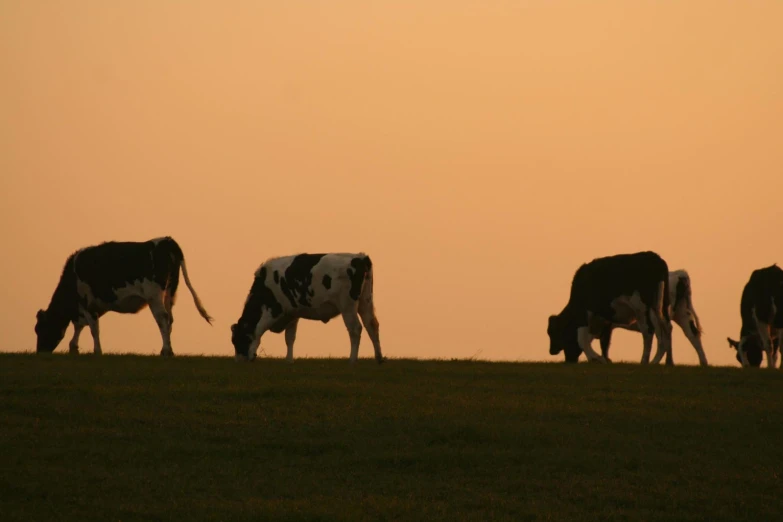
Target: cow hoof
(73, 350)
(169, 353)
(380, 360)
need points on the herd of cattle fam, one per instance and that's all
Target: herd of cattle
(635, 292)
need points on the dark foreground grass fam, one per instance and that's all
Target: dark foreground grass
(121, 438)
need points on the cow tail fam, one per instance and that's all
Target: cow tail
(689, 301)
(200, 307)
(662, 301)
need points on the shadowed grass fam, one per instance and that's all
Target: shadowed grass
(127, 438)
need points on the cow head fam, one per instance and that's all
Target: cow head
(753, 350)
(244, 340)
(563, 338)
(50, 330)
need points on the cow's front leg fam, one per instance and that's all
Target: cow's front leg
(584, 339)
(741, 351)
(164, 325)
(92, 321)
(354, 327)
(73, 346)
(606, 341)
(290, 337)
(766, 342)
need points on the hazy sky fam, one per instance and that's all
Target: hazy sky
(478, 151)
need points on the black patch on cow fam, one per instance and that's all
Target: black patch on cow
(276, 276)
(597, 283)
(327, 281)
(260, 297)
(297, 282)
(361, 266)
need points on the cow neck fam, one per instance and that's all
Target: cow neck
(64, 302)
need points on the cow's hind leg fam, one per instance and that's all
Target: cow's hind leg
(290, 337)
(367, 314)
(354, 326)
(687, 322)
(163, 320)
(663, 333)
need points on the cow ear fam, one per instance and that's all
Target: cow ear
(233, 328)
(732, 343)
(40, 314)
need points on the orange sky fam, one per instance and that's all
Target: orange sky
(478, 151)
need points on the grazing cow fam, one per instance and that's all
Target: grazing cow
(121, 277)
(308, 286)
(682, 313)
(616, 290)
(761, 309)
(753, 350)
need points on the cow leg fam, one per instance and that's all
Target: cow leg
(158, 310)
(96, 334)
(766, 341)
(168, 305)
(73, 346)
(647, 342)
(606, 340)
(290, 337)
(367, 314)
(686, 321)
(663, 333)
(354, 326)
(741, 351)
(776, 348)
(584, 339)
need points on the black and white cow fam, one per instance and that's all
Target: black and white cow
(624, 289)
(122, 277)
(761, 309)
(753, 350)
(308, 286)
(682, 313)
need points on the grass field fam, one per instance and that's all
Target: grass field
(121, 438)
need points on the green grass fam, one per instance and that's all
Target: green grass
(121, 438)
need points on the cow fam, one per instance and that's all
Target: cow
(123, 277)
(761, 310)
(682, 313)
(308, 286)
(753, 349)
(623, 289)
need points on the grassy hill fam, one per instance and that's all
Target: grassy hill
(121, 438)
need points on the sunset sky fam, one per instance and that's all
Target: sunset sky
(478, 151)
